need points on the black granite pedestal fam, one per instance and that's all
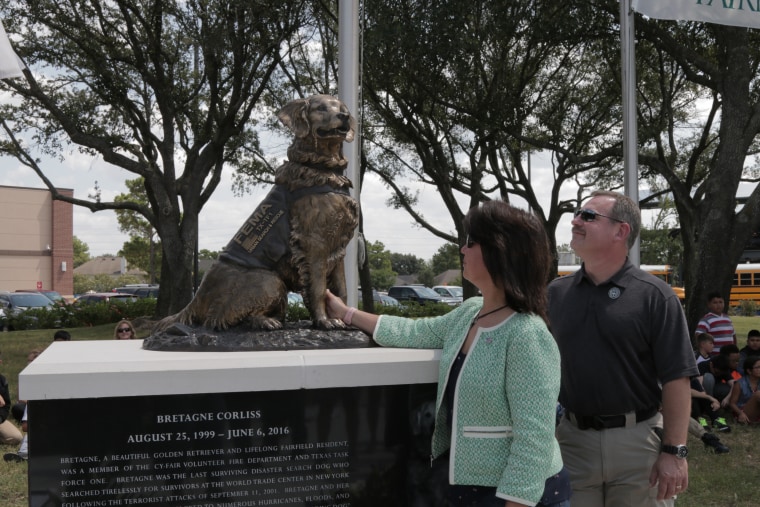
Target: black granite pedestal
(111, 423)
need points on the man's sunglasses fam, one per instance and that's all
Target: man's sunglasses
(589, 215)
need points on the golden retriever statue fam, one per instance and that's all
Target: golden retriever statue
(296, 238)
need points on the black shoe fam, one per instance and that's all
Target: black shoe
(13, 457)
(713, 442)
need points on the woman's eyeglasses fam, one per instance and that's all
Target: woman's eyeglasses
(589, 215)
(124, 330)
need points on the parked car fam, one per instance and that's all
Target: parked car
(416, 293)
(52, 295)
(383, 298)
(92, 298)
(389, 301)
(450, 292)
(14, 303)
(131, 288)
(147, 292)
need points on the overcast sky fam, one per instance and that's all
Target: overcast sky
(224, 213)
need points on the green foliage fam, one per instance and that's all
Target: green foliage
(73, 315)
(748, 308)
(141, 250)
(406, 264)
(297, 313)
(102, 283)
(143, 254)
(447, 257)
(381, 270)
(81, 252)
(426, 276)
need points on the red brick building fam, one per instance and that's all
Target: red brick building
(36, 240)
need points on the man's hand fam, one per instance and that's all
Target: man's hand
(671, 476)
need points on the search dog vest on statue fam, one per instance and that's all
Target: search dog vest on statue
(265, 237)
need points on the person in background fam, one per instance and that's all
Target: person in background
(718, 377)
(703, 404)
(20, 406)
(499, 370)
(9, 433)
(124, 330)
(62, 336)
(626, 364)
(23, 450)
(711, 440)
(745, 397)
(705, 346)
(751, 349)
(717, 323)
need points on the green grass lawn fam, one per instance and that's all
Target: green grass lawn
(726, 480)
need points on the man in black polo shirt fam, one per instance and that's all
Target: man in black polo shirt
(622, 334)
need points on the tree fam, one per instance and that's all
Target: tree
(406, 264)
(703, 158)
(81, 252)
(460, 105)
(163, 90)
(447, 257)
(141, 250)
(381, 272)
(137, 252)
(660, 243)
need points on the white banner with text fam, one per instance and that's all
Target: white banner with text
(744, 13)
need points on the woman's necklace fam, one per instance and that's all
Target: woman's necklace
(478, 317)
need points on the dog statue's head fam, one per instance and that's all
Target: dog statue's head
(322, 117)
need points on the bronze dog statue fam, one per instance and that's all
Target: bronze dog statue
(296, 238)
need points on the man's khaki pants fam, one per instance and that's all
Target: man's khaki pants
(611, 467)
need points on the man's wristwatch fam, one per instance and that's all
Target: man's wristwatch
(679, 451)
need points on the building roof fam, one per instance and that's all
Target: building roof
(448, 277)
(106, 265)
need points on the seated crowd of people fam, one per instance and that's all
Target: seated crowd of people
(728, 380)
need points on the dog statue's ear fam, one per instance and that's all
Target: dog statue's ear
(294, 116)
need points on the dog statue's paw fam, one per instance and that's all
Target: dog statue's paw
(267, 323)
(330, 324)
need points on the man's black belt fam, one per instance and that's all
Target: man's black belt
(603, 422)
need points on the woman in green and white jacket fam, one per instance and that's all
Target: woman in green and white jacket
(499, 370)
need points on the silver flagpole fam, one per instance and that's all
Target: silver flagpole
(348, 90)
(628, 70)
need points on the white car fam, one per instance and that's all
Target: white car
(450, 292)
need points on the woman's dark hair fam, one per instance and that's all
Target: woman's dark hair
(515, 251)
(749, 363)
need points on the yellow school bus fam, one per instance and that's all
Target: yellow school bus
(746, 285)
(662, 271)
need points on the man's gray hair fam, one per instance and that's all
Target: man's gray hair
(624, 209)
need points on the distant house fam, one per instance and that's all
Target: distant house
(406, 280)
(448, 277)
(107, 265)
